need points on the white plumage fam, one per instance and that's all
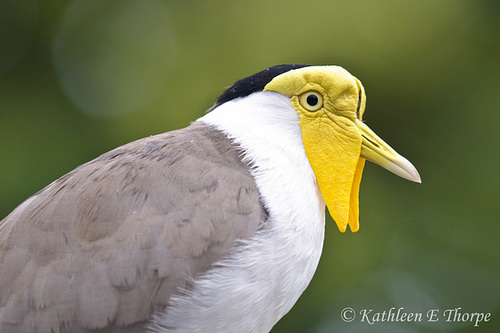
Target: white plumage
(259, 283)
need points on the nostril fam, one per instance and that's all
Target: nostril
(372, 142)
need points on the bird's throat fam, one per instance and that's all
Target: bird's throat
(334, 156)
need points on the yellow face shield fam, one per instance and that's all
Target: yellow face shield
(330, 103)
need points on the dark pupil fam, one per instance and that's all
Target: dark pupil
(312, 100)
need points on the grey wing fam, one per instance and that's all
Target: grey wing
(108, 244)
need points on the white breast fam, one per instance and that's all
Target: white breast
(262, 280)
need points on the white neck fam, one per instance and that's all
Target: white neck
(262, 280)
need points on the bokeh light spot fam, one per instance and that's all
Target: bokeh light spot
(114, 57)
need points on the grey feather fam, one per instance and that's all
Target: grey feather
(110, 242)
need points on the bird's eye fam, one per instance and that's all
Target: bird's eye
(311, 100)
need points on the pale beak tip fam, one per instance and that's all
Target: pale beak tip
(411, 172)
(417, 178)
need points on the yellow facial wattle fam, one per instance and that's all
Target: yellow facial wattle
(330, 103)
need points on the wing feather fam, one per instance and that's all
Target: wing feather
(110, 242)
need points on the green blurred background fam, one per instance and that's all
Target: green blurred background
(78, 78)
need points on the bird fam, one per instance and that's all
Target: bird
(215, 227)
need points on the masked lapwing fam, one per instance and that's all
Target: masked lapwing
(216, 227)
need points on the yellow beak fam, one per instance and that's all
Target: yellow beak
(374, 149)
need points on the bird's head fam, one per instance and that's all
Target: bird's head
(330, 103)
